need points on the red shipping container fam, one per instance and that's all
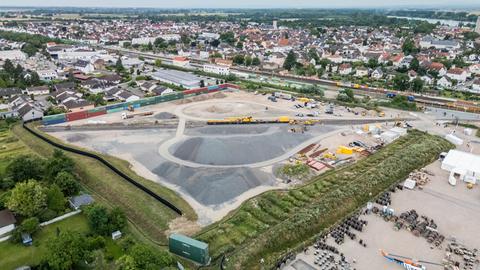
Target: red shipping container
(93, 114)
(76, 116)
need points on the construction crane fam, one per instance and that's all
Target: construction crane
(406, 262)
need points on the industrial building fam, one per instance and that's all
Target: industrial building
(180, 78)
(216, 69)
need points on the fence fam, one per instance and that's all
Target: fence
(110, 166)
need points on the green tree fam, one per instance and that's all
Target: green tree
(145, 258)
(248, 60)
(239, 59)
(408, 46)
(119, 65)
(66, 250)
(59, 162)
(290, 61)
(25, 167)
(29, 49)
(126, 262)
(401, 81)
(256, 61)
(27, 199)
(324, 63)
(55, 199)
(313, 54)
(415, 65)
(417, 85)
(98, 219)
(372, 63)
(158, 63)
(30, 225)
(228, 37)
(239, 45)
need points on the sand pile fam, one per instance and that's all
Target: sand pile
(237, 150)
(213, 186)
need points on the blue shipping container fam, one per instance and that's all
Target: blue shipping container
(53, 122)
(213, 87)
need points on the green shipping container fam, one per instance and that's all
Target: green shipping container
(189, 248)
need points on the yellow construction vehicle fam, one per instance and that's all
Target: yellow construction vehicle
(304, 100)
(329, 155)
(344, 150)
(381, 114)
(284, 119)
(356, 86)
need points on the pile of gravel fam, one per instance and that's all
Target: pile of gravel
(164, 115)
(213, 186)
(228, 130)
(237, 150)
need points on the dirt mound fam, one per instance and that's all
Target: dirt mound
(213, 186)
(237, 150)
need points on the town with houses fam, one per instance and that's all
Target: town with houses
(443, 59)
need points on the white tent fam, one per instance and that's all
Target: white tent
(454, 139)
(466, 163)
(399, 130)
(389, 136)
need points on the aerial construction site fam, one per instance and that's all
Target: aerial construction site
(223, 152)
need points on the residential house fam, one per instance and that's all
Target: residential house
(377, 74)
(64, 86)
(361, 72)
(127, 96)
(438, 67)
(39, 90)
(180, 61)
(445, 82)
(7, 222)
(47, 75)
(474, 69)
(427, 79)
(345, 69)
(7, 93)
(81, 200)
(458, 74)
(28, 112)
(161, 90)
(412, 74)
(77, 105)
(111, 79)
(476, 86)
(84, 66)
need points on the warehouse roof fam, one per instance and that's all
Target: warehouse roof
(178, 77)
(188, 240)
(461, 160)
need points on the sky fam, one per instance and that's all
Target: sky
(246, 3)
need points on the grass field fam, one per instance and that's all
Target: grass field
(15, 255)
(269, 225)
(148, 217)
(10, 146)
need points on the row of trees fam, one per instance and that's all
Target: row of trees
(17, 76)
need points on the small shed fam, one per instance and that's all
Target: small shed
(116, 235)
(78, 201)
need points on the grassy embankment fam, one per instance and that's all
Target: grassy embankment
(148, 217)
(269, 225)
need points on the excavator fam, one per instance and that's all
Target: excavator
(406, 262)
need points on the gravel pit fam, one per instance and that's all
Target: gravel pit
(237, 150)
(213, 186)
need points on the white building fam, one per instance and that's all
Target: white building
(143, 40)
(458, 74)
(38, 90)
(77, 55)
(180, 61)
(13, 55)
(47, 75)
(477, 28)
(216, 69)
(462, 166)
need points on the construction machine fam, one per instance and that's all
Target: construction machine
(329, 155)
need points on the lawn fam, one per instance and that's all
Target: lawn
(15, 255)
(149, 217)
(277, 221)
(10, 146)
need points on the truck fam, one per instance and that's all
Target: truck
(391, 95)
(283, 95)
(272, 98)
(329, 109)
(411, 98)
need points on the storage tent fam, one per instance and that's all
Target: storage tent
(389, 136)
(467, 163)
(453, 139)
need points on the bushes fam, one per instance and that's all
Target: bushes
(104, 222)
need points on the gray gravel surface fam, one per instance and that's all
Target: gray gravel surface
(213, 186)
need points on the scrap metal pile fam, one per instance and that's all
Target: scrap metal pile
(344, 229)
(420, 177)
(326, 257)
(456, 254)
